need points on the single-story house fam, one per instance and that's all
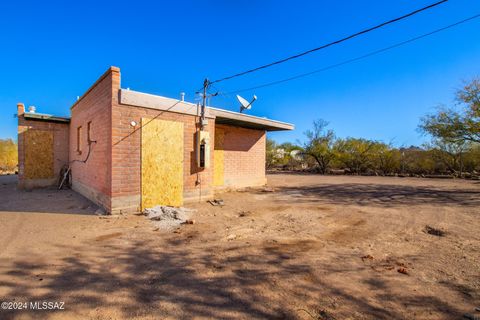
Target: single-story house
(129, 150)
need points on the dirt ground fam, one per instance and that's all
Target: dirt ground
(307, 247)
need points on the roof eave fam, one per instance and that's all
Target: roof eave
(248, 121)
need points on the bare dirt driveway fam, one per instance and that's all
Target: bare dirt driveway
(307, 247)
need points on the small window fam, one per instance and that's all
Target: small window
(89, 131)
(79, 140)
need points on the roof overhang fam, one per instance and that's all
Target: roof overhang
(45, 117)
(248, 121)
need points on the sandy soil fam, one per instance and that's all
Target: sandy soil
(320, 247)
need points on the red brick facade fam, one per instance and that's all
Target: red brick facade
(107, 168)
(93, 178)
(112, 175)
(244, 156)
(126, 155)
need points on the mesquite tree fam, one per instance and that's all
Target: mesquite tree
(319, 145)
(460, 123)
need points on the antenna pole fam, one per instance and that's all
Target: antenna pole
(204, 102)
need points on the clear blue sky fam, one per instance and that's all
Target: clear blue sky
(52, 52)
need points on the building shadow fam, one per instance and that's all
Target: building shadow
(42, 200)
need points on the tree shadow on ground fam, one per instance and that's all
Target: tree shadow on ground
(177, 280)
(381, 195)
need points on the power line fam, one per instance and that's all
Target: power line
(332, 43)
(354, 59)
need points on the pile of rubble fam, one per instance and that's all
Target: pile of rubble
(168, 218)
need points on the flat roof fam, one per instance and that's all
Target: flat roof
(151, 101)
(222, 116)
(45, 117)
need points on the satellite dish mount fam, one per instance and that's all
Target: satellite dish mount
(244, 104)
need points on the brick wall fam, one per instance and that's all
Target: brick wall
(126, 155)
(93, 177)
(112, 175)
(60, 148)
(244, 156)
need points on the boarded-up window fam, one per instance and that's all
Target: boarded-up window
(162, 163)
(79, 140)
(38, 154)
(219, 158)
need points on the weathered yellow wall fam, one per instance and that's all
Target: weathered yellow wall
(162, 163)
(38, 154)
(218, 154)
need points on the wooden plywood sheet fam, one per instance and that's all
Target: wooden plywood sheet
(219, 158)
(162, 163)
(38, 154)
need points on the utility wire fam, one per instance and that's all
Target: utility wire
(353, 59)
(332, 43)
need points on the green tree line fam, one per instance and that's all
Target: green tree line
(454, 146)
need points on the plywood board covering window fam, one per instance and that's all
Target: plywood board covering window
(162, 163)
(219, 158)
(38, 154)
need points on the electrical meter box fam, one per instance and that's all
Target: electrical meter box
(203, 149)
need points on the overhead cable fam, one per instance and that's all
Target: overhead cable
(353, 59)
(331, 43)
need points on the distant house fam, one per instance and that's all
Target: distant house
(279, 153)
(284, 158)
(297, 155)
(129, 150)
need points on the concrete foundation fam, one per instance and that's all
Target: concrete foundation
(100, 199)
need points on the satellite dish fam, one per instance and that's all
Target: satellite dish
(244, 104)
